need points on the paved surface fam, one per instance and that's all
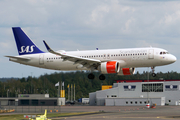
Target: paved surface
(120, 113)
(123, 113)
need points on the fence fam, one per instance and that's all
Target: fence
(33, 109)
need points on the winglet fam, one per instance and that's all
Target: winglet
(47, 46)
(50, 50)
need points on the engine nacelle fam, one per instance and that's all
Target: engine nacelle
(126, 71)
(109, 67)
(114, 67)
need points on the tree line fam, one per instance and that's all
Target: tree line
(83, 86)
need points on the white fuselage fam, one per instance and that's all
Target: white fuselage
(134, 57)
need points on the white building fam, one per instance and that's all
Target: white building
(138, 93)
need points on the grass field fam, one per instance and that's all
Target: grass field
(49, 115)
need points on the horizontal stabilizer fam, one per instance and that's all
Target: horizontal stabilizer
(19, 58)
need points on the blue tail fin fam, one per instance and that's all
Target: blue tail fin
(24, 44)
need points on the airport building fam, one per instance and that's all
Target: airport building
(138, 92)
(32, 100)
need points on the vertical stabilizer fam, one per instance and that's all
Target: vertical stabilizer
(45, 113)
(24, 44)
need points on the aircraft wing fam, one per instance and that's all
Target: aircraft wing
(86, 62)
(18, 58)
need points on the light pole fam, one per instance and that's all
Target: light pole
(31, 82)
(7, 92)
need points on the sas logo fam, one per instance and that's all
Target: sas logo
(129, 87)
(171, 87)
(27, 49)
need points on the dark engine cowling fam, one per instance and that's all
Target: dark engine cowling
(114, 67)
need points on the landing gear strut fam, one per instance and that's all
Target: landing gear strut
(153, 74)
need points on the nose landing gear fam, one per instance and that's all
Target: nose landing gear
(153, 74)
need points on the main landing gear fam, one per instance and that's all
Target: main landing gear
(91, 76)
(153, 74)
(101, 77)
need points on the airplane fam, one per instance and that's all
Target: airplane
(42, 117)
(109, 61)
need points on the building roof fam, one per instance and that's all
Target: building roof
(122, 81)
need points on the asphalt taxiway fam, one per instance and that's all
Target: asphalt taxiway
(118, 113)
(123, 113)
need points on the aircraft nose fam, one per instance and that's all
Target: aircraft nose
(172, 59)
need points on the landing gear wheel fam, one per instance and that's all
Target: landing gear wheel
(102, 77)
(91, 76)
(154, 74)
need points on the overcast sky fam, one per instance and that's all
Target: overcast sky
(88, 24)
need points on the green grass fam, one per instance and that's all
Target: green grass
(49, 115)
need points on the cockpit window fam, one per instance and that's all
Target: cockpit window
(161, 53)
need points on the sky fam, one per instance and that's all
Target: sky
(89, 24)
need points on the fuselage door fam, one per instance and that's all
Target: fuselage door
(41, 59)
(151, 54)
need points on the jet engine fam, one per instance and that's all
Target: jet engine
(114, 67)
(126, 71)
(109, 67)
